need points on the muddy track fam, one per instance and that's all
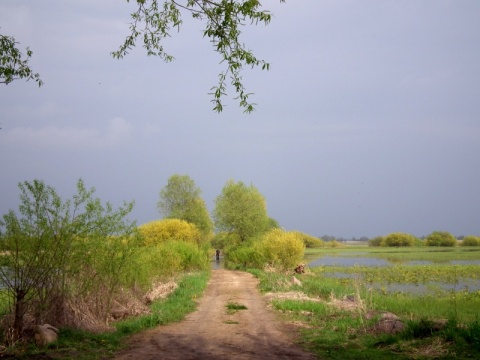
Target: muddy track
(212, 333)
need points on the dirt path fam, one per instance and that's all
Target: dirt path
(212, 333)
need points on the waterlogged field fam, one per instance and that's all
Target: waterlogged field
(391, 256)
(434, 292)
(411, 270)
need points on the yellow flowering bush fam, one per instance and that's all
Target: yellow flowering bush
(398, 239)
(161, 231)
(281, 249)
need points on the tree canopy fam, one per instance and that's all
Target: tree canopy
(241, 210)
(14, 64)
(180, 199)
(153, 21)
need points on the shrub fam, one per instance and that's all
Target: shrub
(440, 238)
(334, 244)
(281, 249)
(243, 256)
(155, 264)
(277, 248)
(167, 259)
(161, 231)
(398, 239)
(376, 241)
(191, 256)
(309, 241)
(68, 253)
(471, 240)
(419, 242)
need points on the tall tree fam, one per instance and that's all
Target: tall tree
(241, 210)
(153, 20)
(180, 199)
(13, 64)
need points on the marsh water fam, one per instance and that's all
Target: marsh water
(361, 258)
(358, 258)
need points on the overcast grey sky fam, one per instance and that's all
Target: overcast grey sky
(367, 123)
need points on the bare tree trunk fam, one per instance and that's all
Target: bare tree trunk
(19, 313)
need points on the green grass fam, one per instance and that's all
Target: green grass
(77, 344)
(172, 309)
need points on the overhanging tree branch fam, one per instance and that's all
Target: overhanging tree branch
(154, 19)
(13, 64)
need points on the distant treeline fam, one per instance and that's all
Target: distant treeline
(364, 238)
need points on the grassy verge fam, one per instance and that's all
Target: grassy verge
(443, 326)
(76, 344)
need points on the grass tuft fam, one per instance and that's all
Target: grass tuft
(234, 307)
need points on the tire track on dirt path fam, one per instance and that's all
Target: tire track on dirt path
(211, 333)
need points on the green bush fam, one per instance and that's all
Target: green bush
(309, 240)
(398, 239)
(277, 248)
(471, 240)
(419, 242)
(440, 238)
(75, 249)
(242, 256)
(164, 260)
(191, 256)
(155, 264)
(376, 241)
(334, 244)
